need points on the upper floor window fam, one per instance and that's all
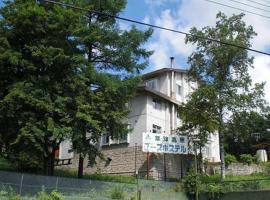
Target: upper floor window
(156, 103)
(156, 129)
(179, 89)
(152, 84)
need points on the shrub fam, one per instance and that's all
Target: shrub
(229, 159)
(9, 194)
(246, 158)
(215, 190)
(117, 193)
(251, 185)
(54, 195)
(177, 187)
(191, 182)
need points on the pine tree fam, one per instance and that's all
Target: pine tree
(64, 74)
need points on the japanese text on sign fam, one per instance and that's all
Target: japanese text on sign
(159, 143)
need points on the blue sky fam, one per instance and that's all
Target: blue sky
(184, 14)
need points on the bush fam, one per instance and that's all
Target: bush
(117, 193)
(9, 193)
(177, 187)
(54, 195)
(215, 190)
(229, 159)
(246, 158)
(191, 182)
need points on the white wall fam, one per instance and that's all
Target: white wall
(137, 119)
(158, 117)
(211, 150)
(64, 150)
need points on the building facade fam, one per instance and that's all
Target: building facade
(153, 110)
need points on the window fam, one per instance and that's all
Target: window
(156, 129)
(152, 84)
(105, 139)
(179, 89)
(157, 104)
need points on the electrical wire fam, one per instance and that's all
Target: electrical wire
(256, 2)
(155, 26)
(250, 5)
(243, 10)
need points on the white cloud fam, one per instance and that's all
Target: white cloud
(159, 2)
(199, 13)
(260, 73)
(124, 25)
(146, 19)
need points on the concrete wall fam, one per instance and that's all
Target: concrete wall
(137, 119)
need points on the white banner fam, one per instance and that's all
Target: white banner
(160, 143)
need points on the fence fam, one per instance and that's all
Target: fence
(29, 185)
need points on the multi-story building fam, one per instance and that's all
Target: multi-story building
(153, 110)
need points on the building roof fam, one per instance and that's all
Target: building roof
(160, 71)
(148, 90)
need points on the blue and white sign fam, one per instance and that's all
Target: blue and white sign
(160, 143)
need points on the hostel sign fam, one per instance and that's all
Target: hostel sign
(160, 143)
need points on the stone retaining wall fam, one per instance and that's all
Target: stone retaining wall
(122, 161)
(237, 169)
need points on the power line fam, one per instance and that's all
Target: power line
(155, 26)
(243, 10)
(256, 2)
(250, 5)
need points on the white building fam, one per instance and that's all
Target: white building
(154, 109)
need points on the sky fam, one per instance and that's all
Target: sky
(184, 14)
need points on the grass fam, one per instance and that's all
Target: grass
(96, 176)
(5, 165)
(230, 178)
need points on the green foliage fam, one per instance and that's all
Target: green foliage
(117, 193)
(229, 159)
(191, 182)
(5, 164)
(246, 130)
(66, 75)
(9, 193)
(54, 195)
(246, 158)
(221, 71)
(96, 176)
(178, 187)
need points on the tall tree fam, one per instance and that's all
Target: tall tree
(112, 51)
(198, 122)
(223, 70)
(63, 74)
(247, 132)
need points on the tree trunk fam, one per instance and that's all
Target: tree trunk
(80, 167)
(221, 145)
(48, 165)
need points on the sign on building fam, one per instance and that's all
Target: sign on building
(159, 143)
